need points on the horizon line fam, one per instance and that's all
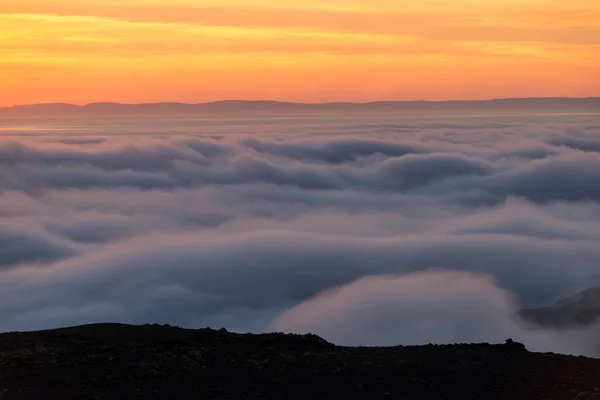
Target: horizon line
(304, 103)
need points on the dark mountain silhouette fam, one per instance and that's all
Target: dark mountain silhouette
(112, 361)
(525, 105)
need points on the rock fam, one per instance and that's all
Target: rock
(512, 346)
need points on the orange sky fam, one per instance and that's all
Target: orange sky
(82, 51)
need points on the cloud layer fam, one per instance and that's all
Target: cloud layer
(374, 232)
(425, 307)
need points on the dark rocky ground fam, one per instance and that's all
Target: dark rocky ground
(111, 361)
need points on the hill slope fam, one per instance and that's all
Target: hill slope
(112, 361)
(583, 309)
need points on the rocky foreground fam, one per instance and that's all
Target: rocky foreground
(111, 361)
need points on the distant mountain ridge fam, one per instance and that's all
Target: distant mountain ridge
(515, 105)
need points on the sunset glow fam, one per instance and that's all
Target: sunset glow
(82, 51)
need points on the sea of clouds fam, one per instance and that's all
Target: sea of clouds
(374, 230)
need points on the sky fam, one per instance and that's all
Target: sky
(82, 51)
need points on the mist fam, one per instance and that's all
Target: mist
(378, 230)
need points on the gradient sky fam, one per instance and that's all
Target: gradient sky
(82, 51)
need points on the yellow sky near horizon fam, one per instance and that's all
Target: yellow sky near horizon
(82, 51)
